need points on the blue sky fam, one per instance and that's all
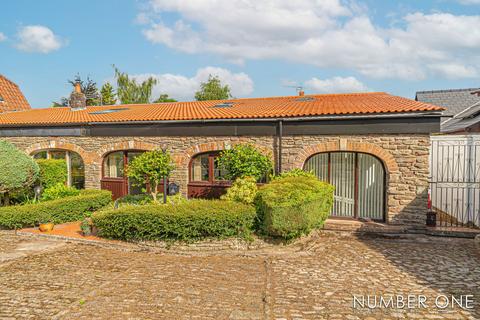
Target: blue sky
(260, 48)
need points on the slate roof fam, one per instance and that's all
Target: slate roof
(458, 102)
(11, 97)
(250, 108)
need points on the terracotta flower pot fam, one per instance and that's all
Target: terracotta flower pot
(46, 227)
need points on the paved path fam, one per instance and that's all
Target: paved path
(42, 279)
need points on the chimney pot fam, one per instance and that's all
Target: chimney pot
(78, 88)
(301, 93)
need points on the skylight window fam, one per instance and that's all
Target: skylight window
(223, 105)
(305, 99)
(107, 111)
(1, 99)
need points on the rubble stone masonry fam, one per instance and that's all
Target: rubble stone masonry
(405, 158)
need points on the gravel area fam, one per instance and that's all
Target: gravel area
(49, 279)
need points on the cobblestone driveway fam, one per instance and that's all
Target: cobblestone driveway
(57, 280)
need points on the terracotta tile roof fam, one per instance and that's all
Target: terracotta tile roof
(251, 108)
(11, 98)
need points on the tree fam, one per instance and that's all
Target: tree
(164, 98)
(19, 171)
(130, 92)
(150, 168)
(244, 160)
(108, 94)
(62, 103)
(213, 90)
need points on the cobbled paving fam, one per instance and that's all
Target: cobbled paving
(59, 280)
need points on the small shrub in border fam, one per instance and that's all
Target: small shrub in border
(191, 220)
(292, 206)
(52, 172)
(242, 190)
(59, 191)
(62, 210)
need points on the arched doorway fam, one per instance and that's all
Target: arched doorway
(113, 173)
(359, 180)
(75, 165)
(114, 177)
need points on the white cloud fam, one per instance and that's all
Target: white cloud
(321, 33)
(183, 88)
(38, 39)
(454, 70)
(469, 2)
(335, 85)
(3, 37)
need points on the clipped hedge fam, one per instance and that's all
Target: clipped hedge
(292, 206)
(191, 220)
(52, 172)
(62, 210)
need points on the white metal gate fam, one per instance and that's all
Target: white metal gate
(359, 180)
(455, 179)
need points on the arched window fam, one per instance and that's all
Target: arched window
(75, 165)
(206, 179)
(359, 181)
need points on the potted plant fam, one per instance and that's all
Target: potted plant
(88, 228)
(45, 224)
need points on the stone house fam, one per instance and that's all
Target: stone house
(372, 146)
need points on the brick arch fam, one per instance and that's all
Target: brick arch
(184, 159)
(126, 145)
(87, 157)
(346, 145)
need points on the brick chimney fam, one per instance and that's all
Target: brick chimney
(78, 101)
(301, 93)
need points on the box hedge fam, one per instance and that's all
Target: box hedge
(292, 206)
(52, 172)
(62, 210)
(192, 220)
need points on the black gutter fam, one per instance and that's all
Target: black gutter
(289, 119)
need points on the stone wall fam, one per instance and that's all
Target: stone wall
(405, 158)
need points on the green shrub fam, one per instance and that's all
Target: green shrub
(292, 206)
(295, 173)
(191, 220)
(59, 191)
(244, 160)
(18, 171)
(52, 172)
(242, 190)
(63, 210)
(143, 199)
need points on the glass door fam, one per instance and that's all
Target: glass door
(342, 176)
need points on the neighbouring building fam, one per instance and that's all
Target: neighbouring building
(373, 147)
(11, 97)
(455, 157)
